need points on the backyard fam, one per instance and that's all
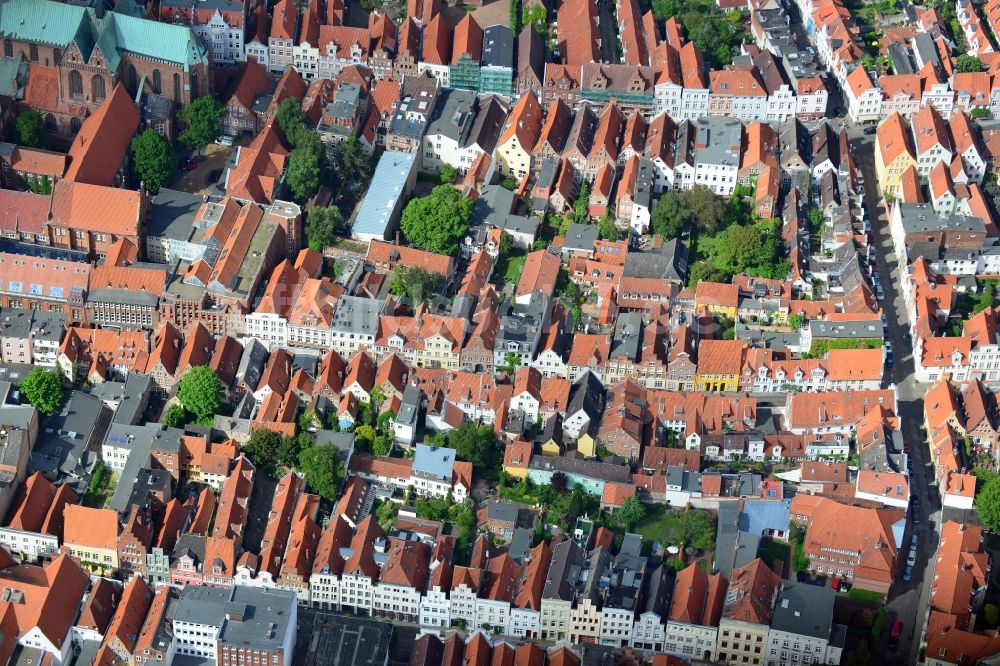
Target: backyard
(692, 527)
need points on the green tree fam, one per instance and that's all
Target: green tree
(305, 166)
(630, 513)
(607, 228)
(202, 119)
(968, 63)
(511, 362)
(288, 451)
(670, 216)
(322, 226)
(707, 209)
(290, 118)
(535, 17)
(992, 614)
(508, 183)
(383, 421)
(175, 416)
(581, 207)
(200, 392)
(352, 160)
(437, 221)
(261, 448)
(418, 284)
(988, 504)
(795, 322)
(478, 445)
(447, 174)
(323, 470)
(979, 112)
(382, 446)
(29, 130)
(514, 16)
(153, 160)
(43, 389)
(364, 435)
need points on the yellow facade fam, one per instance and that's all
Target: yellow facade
(89, 556)
(438, 352)
(890, 176)
(716, 382)
(512, 159)
(517, 472)
(551, 448)
(587, 445)
(727, 311)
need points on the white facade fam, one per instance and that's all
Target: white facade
(271, 329)
(224, 40)
(524, 622)
(648, 633)
(196, 640)
(787, 648)
(720, 178)
(551, 364)
(29, 545)
(616, 627)
(693, 641)
(256, 50)
(435, 609)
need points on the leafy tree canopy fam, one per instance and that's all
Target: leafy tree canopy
(153, 160)
(416, 283)
(29, 130)
(200, 391)
(202, 120)
(261, 448)
(323, 470)
(322, 225)
(43, 389)
(969, 63)
(437, 221)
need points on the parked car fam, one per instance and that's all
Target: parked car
(870, 130)
(879, 294)
(908, 574)
(224, 140)
(911, 559)
(913, 541)
(189, 165)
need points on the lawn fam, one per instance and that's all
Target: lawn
(693, 527)
(509, 266)
(101, 487)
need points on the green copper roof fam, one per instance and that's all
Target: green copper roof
(44, 21)
(13, 76)
(163, 41)
(50, 22)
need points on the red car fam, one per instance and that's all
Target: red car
(897, 629)
(189, 165)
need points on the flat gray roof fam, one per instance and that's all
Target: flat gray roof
(806, 610)
(388, 185)
(339, 640)
(172, 213)
(434, 461)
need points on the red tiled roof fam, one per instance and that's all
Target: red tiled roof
(103, 141)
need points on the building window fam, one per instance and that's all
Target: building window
(156, 81)
(177, 88)
(74, 124)
(33, 50)
(75, 84)
(8, 48)
(97, 88)
(50, 123)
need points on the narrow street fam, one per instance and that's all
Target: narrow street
(907, 600)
